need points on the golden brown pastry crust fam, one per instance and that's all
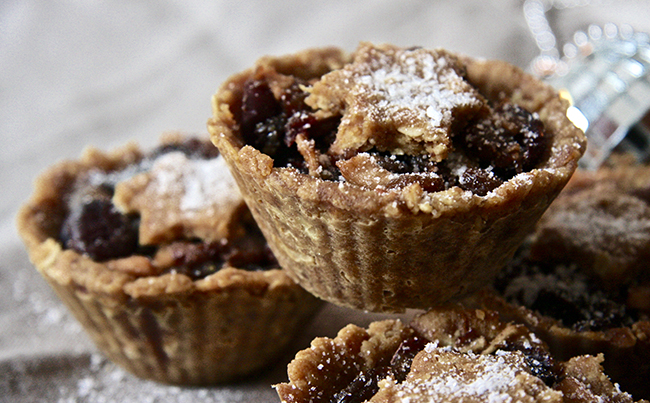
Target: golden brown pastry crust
(386, 251)
(469, 358)
(319, 372)
(397, 101)
(451, 376)
(601, 223)
(181, 197)
(626, 350)
(168, 327)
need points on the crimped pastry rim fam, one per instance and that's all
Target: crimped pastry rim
(53, 261)
(329, 236)
(537, 97)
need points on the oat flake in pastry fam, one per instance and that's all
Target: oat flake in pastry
(158, 258)
(393, 178)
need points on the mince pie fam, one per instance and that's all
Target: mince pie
(393, 178)
(582, 282)
(158, 257)
(448, 354)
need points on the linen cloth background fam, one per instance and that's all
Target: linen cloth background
(75, 73)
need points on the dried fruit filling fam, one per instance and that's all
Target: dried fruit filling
(536, 360)
(366, 384)
(563, 292)
(301, 124)
(96, 227)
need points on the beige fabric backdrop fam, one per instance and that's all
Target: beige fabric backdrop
(77, 73)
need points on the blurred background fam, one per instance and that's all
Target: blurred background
(75, 73)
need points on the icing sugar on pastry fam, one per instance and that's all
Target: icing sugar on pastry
(443, 374)
(193, 196)
(400, 100)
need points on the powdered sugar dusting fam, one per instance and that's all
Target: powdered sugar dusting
(199, 183)
(98, 177)
(399, 100)
(415, 86)
(181, 196)
(209, 180)
(440, 374)
(493, 378)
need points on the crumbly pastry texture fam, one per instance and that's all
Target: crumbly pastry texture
(443, 374)
(341, 220)
(465, 356)
(142, 310)
(181, 197)
(410, 97)
(581, 283)
(625, 350)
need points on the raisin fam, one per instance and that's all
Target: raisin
(602, 313)
(539, 361)
(298, 123)
(402, 164)
(529, 132)
(555, 305)
(301, 120)
(268, 135)
(253, 259)
(363, 387)
(447, 174)
(322, 131)
(292, 98)
(396, 164)
(479, 181)
(198, 260)
(468, 337)
(403, 357)
(511, 140)
(196, 272)
(258, 104)
(193, 254)
(428, 182)
(541, 364)
(366, 383)
(97, 229)
(271, 125)
(264, 121)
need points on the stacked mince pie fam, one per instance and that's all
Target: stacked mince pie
(393, 178)
(383, 180)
